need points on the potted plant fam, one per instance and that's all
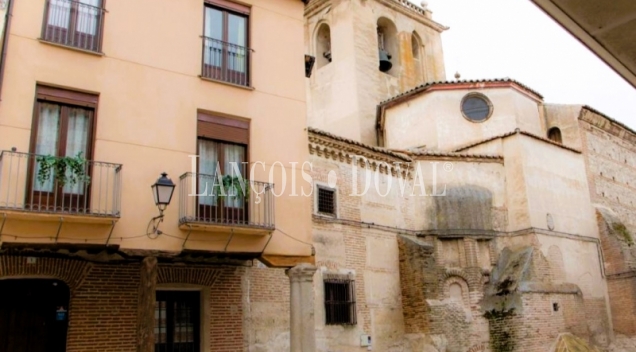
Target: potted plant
(233, 186)
(66, 170)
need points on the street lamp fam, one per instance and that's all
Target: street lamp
(162, 191)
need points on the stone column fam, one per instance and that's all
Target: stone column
(146, 305)
(302, 324)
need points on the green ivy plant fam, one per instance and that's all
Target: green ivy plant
(232, 187)
(59, 166)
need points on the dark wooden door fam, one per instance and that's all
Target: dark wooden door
(33, 315)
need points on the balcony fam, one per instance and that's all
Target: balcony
(226, 62)
(206, 206)
(44, 185)
(73, 24)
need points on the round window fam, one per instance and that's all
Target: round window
(476, 107)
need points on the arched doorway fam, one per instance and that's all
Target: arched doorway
(33, 315)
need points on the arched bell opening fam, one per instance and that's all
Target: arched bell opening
(388, 47)
(323, 45)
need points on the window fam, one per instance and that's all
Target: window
(62, 127)
(225, 52)
(222, 169)
(177, 321)
(340, 301)
(476, 107)
(326, 200)
(76, 23)
(554, 134)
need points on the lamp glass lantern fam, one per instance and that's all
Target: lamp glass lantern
(162, 191)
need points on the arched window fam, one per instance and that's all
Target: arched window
(418, 59)
(323, 45)
(554, 134)
(388, 47)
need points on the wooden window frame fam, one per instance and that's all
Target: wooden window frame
(72, 26)
(227, 7)
(224, 131)
(65, 99)
(173, 296)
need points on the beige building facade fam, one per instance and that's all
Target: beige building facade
(99, 98)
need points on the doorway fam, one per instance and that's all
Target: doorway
(33, 315)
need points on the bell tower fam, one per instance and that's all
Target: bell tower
(366, 51)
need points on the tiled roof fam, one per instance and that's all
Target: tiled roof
(431, 84)
(359, 144)
(400, 153)
(517, 131)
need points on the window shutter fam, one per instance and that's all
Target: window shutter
(232, 6)
(66, 96)
(223, 128)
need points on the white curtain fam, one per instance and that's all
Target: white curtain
(87, 15)
(213, 49)
(46, 142)
(208, 161)
(77, 142)
(234, 157)
(59, 13)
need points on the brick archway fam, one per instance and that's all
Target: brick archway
(71, 271)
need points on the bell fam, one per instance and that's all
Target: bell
(385, 63)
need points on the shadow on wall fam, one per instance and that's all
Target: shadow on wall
(462, 208)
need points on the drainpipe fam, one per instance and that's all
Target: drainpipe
(5, 42)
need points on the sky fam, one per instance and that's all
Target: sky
(515, 39)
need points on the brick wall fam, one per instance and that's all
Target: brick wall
(103, 305)
(610, 155)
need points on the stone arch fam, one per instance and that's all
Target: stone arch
(586, 283)
(195, 276)
(554, 134)
(478, 348)
(456, 288)
(71, 271)
(417, 51)
(323, 44)
(388, 41)
(555, 258)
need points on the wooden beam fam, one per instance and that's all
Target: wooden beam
(281, 261)
(146, 305)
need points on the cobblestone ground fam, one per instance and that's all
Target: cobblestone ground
(623, 344)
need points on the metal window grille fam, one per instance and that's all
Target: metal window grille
(177, 321)
(340, 302)
(326, 201)
(74, 23)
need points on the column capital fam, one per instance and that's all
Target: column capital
(301, 272)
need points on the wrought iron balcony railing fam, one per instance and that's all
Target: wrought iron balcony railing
(223, 61)
(73, 23)
(204, 200)
(45, 184)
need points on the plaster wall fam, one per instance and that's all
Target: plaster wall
(435, 119)
(556, 185)
(150, 126)
(565, 118)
